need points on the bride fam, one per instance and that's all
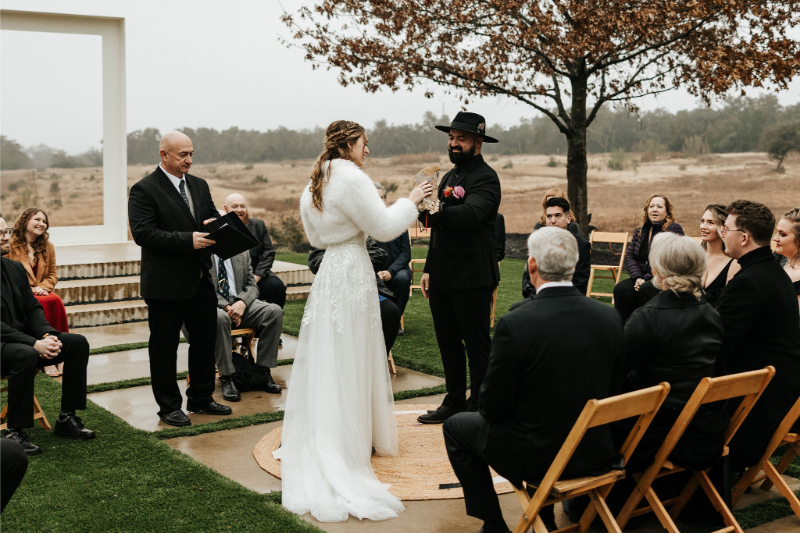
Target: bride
(340, 402)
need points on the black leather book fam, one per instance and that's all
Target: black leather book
(231, 236)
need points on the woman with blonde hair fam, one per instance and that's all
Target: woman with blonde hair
(340, 404)
(629, 294)
(555, 192)
(721, 267)
(787, 244)
(30, 245)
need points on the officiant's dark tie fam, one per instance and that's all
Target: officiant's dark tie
(223, 286)
(182, 187)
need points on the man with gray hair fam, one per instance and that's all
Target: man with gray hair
(557, 341)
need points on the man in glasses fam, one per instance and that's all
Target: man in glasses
(762, 326)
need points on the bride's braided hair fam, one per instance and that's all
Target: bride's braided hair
(338, 137)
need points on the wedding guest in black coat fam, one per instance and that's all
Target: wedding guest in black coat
(555, 192)
(271, 288)
(557, 213)
(390, 312)
(461, 269)
(396, 273)
(762, 326)
(167, 211)
(675, 337)
(524, 413)
(28, 341)
(629, 294)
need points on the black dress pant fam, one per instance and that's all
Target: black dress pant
(627, 299)
(461, 320)
(19, 362)
(165, 318)
(272, 290)
(390, 322)
(13, 465)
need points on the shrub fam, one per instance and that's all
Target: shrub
(289, 230)
(781, 139)
(552, 163)
(508, 165)
(259, 179)
(695, 146)
(618, 160)
(248, 167)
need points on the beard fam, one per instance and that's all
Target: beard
(458, 157)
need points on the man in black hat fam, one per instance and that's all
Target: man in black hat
(461, 268)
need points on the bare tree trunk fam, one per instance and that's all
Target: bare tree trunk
(577, 166)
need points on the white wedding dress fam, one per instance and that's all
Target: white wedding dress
(340, 401)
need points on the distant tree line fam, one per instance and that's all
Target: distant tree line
(740, 125)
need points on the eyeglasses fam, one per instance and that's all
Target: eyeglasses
(725, 230)
(8, 231)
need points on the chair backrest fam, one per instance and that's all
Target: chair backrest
(785, 427)
(749, 385)
(642, 403)
(611, 238)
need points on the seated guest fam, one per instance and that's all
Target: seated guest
(13, 465)
(397, 275)
(557, 214)
(390, 312)
(499, 237)
(270, 287)
(30, 245)
(28, 341)
(629, 294)
(762, 326)
(555, 192)
(721, 268)
(675, 337)
(238, 306)
(787, 244)
(524, 415)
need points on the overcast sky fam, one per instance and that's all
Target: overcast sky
(204, 63)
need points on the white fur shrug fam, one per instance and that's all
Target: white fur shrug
(351, 205)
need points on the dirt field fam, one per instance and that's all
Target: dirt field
(74, 196)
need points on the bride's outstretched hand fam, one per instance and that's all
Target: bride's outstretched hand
(423, 190)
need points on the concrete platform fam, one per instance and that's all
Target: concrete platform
(130, 364)
(109, 335)
(85, 291)
(103, 314)
(98, 253)
(137, 406)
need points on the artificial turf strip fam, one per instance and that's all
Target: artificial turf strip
(126, 480)
(219, 425)
(121, 347)
(126, 383)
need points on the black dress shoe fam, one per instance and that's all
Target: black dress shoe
(209, 407)
(72, 427)
(176, 418)
(271, 387)
(229, 391)
(440, 415)
(400, 332)
(22, 439)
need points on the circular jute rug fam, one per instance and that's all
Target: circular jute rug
(421, 471)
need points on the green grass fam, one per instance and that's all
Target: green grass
(128, 480)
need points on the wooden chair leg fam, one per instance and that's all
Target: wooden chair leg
(783, 488)
(392, 368)
(591, 282)
(717, 501)
(494, 306)
(661, 512)
(602, 509)
(786, 460)
(683, 498)
(38, 414)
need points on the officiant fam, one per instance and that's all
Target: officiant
(461, 268)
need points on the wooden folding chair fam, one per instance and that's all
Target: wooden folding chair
(413, 264)
(642, 404)
(392, 368)
(243, 342)
(494, 306)
(38, 412)
(615, 270)
(772, 474)
(750, 386)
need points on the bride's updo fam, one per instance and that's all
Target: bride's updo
(337, 138)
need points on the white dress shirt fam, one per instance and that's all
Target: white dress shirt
(176, 181)
(549, 284)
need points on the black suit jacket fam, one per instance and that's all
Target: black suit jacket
(28, 310)
(580, 279)
(162, 224)
(399, 254)
(540, 376)
(461, 253)
(262, 256)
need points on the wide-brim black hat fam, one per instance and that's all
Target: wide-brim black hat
(469, 122)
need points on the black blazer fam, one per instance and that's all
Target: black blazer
(262, 256)
(540, 376)
(461, 254)
(399, 250)
(29, 313)
(580, 279)
(162, 224)
(500, 237)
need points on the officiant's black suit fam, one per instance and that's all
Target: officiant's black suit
(760, 317)
(24, 323)
(175, 283)
(549, 356)
(463, 273)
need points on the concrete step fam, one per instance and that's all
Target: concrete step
(299, 292)
(85, 291)
(101, 314)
